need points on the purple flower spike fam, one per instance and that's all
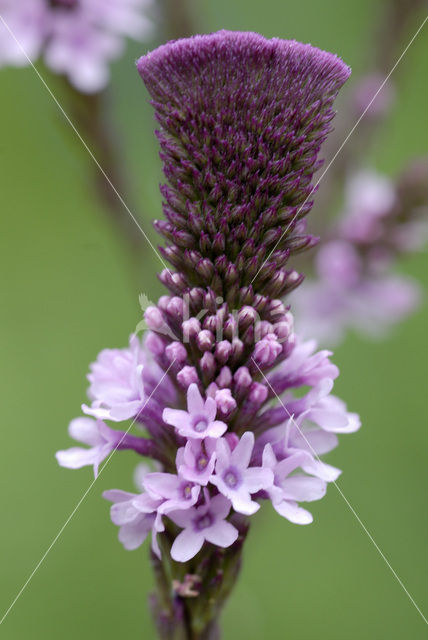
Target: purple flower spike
(241, 122)
(198, 421)
(206, 522)
(235, 479)
(239, 153)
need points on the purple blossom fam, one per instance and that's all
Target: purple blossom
(303, 367)
(235, 479)
(95, 433)
(290, 440)
(116, 383)
(136, 516)
(195, 462)
(198, 422)
(287, 491)
(204, 523)
(325, 410)
(77, 38)
(174, 491)
(102, 441)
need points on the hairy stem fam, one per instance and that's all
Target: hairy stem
(190, 596)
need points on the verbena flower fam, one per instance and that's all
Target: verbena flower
(243, 408)
(235, 478)
(78, 38)
(204, 523)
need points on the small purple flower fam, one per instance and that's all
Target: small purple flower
(135, 515)
(117, 388)
(235, 479)
(200, 524)
(303, 367)
(287, 490)
(198, 422)
(325, 410)
(101, 439)
(195, 462)
(174, 491)
(289, 440)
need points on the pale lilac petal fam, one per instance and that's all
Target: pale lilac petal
(269, 458)
(186, 545)
(195, 403)
(288, 465)
(96, 412)
(123, 513)
(177, 418)
(76, 457)
(293, 512)
(216, 429)
(210, 409)
(164, 485)
(222, 533)
(241, 502)
(181, 517)
(329, 420)
(257, 478)
(85, 430)
(303, 488)
(145, 503)
(126, 410)
(223, 455)
(117, 495)
(220, 506)
(133, 535)
(241, 455)
(320, 469)
(315, 440)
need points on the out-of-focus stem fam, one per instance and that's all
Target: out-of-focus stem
(90, 114)
(395, 20)
(178, 19)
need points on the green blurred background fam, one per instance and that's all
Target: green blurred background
(68, 292)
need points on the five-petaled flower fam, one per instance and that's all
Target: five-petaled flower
(198, 421)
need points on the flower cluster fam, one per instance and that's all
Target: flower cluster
(211, 469)
(236, 409)
(354, 286)
(78, 38)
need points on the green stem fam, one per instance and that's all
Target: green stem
(190, 596)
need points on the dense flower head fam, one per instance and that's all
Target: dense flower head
(78, 38)
(236, 408)
(241, 120)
